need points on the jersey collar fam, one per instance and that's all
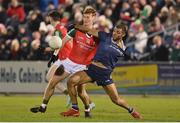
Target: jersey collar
(124, 47)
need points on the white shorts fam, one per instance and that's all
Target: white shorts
(58, 62)
(71, 67)
(53, 68)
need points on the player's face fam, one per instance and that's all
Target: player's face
(118, 34)
(88, 20)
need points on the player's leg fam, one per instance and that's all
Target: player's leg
(53, 81)
(88, 104)
(51, 86)
(75, 80)
(115, 98)
(82, 93)
(51, 71)
(62, 87)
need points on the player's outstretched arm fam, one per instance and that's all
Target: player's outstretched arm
(82, 28)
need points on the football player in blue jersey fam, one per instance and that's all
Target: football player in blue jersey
(110, 48)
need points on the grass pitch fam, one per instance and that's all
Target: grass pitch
(152, 108)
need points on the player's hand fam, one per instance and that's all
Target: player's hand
(52, 60)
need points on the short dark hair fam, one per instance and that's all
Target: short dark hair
(54, 15)
(122, 26)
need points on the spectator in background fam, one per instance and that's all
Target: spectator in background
(142, 3)
(115, 6)
(108, 13)
(175, 54)
(125, 14)
(173, 16)
(3, 15)
(153, 27)
(34, 21)
(35, 53)
(176, 40)
(5, 49)
(24, 48)
(22, 32)
(3, 30)
(177, 3)
(134, 27)
(169, 3)
(163, 15)
(155, 10)
(141, 41)
(13, 22)
(37, 36)
(11, 33)
(15, 50)
(145, 14)
(160, 51)
(61, 9)
(43, 4)
(100, 6)
(69, 6)
(16, 9)
(50, 7)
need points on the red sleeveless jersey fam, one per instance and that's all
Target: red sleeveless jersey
(65, 51)
(84, 48)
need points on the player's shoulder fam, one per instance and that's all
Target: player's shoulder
(103, 35)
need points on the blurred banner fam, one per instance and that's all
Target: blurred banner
(169, 75)
(29, 77)
(22, 77)
(136, 75)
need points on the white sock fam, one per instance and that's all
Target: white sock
(43, 105)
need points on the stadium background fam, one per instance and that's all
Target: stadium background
(153, 37)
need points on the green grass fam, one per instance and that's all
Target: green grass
(153, 108)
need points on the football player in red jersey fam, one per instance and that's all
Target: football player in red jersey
(61, 31)
(82, 52)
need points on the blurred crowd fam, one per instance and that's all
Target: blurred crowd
(153, 26)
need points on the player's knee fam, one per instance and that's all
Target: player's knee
(73, 80)
(60, 70)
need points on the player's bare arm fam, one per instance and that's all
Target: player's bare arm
(82, 28)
